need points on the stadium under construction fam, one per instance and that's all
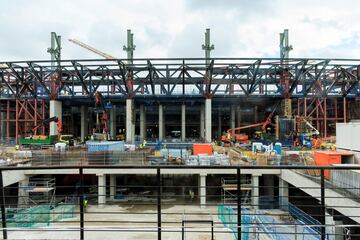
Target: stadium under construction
(180, 148)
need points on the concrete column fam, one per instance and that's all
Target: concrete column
(113, 122)
(133, 131)
(283, 194)
(202, 190)
(330, 225)
(129, 121)
(3, 125)
(232, 117)
(339, 230)
(202, 122)
(142, 123)
(208, 125)
(269, 186)
(55, 111)
(161, 122)
(238, 116)
(183, 122)
(84, 122)
(219, 124)
(23, 196)
(112, 186)
(255, 191)
(256, 114)
(101, 190)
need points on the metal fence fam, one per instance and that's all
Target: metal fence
(177, 202)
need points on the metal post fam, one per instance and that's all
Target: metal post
(81, 203)
(8, 120)
(323, 207)
(344, 110)
(325, 118)
(207, 46)
(285, 48)
(238, 202)
(17, 122)
(158, 176)
(43, 115)
(130, 47)
(2, 202)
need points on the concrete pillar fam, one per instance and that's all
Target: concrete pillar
(283, 194)
(202, 122)
(101, 190)
(232, 117)
(113, 122)
(269, 186)
(202, 190)
(208, 125)
(256, 114)
(3, 125)
(219, 124)
(23, 196)
(255, 191)
(112, 186)
(133, 132)
(84, 122)
(330, 226)
(238, 116)
(55, 111)
(142, 123)
(339, 230)
(129, 121)
(183, 122)
(161, 122)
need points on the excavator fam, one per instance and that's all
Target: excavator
(242, 137)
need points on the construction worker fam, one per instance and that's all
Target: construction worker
(86, 202)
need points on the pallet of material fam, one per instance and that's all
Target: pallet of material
(309, 161)
(261, 159)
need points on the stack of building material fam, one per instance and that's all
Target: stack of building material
(261, 159)
(94, 146)
(193, 160)
(204, 160)
(202, 148)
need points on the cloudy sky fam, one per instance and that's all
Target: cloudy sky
(175, 28)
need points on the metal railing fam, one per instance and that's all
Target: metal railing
(178, 202)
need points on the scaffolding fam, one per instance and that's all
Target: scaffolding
(37, 191)
(229, 190)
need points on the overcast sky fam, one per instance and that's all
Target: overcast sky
(174, 28)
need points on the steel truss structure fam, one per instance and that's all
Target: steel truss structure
(296, 78)
(321, 87)
(24, 115)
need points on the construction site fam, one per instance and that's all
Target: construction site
(179, 148)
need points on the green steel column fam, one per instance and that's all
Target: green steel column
(55, 49)
(130, 46)
(285, 48)
(207, 46)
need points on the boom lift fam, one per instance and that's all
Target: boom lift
(242, 137)
(102, 108)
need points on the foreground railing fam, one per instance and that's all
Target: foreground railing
(177, 202)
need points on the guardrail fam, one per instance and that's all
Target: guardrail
(176, 202)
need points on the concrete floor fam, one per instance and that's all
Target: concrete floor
(137, 223)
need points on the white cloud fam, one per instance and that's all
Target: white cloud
(239, 28)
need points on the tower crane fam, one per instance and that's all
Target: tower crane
(100, 106)
(94, 50)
